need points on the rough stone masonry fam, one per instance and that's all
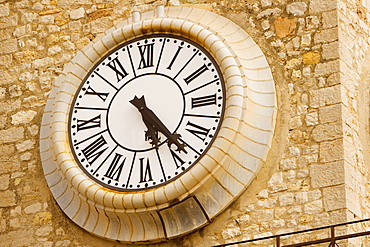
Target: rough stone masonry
(317, 171)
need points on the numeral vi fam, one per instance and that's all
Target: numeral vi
(145, 171)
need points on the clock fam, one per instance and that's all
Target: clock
(158, 125)
(146, 112)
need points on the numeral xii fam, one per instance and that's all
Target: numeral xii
(146, 55)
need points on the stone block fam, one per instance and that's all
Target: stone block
(284, 27)
(334, 198)
(4, 10)
(329, 19)
(301, 197)
(34, 208)
(50, 12)
(11, 135)
(329, 114)
(331, 151)
(311, 57)
(262, 215)
(312, 118)
(296, 8)
(325, 96)
(44, 231)
(269, 12)
(326, 132)
(314, 207)
(77, 13)
(6, 22)
(330, 51)
(286, 199)
(323, 69)
(23, 117)
(8, 46)
(329, 174)
(4, 182)
(326, 36)
(353, 202)
(318, 6)
(7, 199)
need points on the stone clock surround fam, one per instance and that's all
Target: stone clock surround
(193, 200)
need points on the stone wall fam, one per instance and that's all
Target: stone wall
(316, 173)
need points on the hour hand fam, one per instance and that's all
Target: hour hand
(154, 124)
(174, 139)
(151, 134)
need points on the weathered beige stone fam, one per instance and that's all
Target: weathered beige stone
(330, 51)
(7, 199)
(286, 199)
(77, 13)
(327, 68)
(326, 132)
(7, 22)
(4, 182)
(50, 11)
(44, 231)
(42, 218)
(334, 198)
(314, 207)
(23, 117)
(329, 114)
(331, 151)
(312, 118)
(297, 8)
(8, 46)
(11, 135)
(328, 174)
(325, 96)
(23, 56)
(317, 6)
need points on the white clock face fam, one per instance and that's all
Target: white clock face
(146, 113)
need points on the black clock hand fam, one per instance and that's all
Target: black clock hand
(154, 124)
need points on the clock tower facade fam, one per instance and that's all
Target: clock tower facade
(181, 123)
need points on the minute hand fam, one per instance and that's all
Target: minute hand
(150, 118)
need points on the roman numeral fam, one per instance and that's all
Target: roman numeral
(198, 131)
(203, 101)
(115, 169)
(176, 159)
(117, 67)
(174, 58)
(88, 124)
(145, 172)
(196, 74)
(95, 149)
(91, 91)
(146, 56)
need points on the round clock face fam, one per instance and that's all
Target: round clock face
(146, 113)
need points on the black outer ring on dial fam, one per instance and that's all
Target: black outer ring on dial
(157, 35)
